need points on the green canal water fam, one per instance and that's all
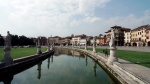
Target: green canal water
(64, 69)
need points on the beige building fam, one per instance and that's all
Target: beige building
(127, 38)
(54, 40)
(138, 36)
(76, 39)
(119, 35)
(108, 36)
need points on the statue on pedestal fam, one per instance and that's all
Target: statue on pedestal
(39, 47)
(112, 58)
(7, 58)
(112, 40)
(94, 45)
(48, 45)
(85, 44)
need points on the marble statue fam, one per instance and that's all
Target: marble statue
(112, 58)
(7, 57)
(39, 47)
(112, 40)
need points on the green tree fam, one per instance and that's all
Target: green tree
(1, 41)
(100, 35)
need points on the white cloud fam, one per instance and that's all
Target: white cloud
(60, 17)
(88, 6)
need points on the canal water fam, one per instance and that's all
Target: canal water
(68, 68)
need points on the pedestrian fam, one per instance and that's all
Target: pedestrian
(106, 52)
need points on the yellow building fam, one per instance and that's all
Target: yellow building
(138, 36)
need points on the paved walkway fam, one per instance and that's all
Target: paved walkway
(133, 70)
(141, 49)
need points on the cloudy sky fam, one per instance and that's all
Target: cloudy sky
(34, 18)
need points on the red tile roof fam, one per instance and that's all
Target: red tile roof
(141, 27)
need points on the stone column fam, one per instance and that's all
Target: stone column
(146, 44)
(72, 45)
(85, 44)
(48, 46)
(94, 45)
(79, 45)
(137, 44)
(7, 57)
(52, 45)
(112, 58)
(39, 47)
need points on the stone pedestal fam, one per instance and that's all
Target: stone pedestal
(7, 58)
(48, 48)
(85, 47)
(94, 45)
(39, 50)
(146, 44)
(94, 49)
(72, 45)
(112, 58)
(79, 46)
(51, 48)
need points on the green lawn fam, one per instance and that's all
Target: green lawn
(20, 52)
(143, 58)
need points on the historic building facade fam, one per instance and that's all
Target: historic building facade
(119, 35)
(76, 39)
(127, 38)
(139, 36)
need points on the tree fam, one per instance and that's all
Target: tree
(1, 41)
(100, 35)
(14, 40)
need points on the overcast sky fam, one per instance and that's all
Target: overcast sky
(34, 18)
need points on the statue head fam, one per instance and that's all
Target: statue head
(7, 32)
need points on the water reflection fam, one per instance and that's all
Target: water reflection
(39, 70)
(60, 51)
(94, 67)
(7, 79)
(86, 60)
(48, 63)
(52, 59)
(73, 69)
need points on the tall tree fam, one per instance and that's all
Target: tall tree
(1, 41)
(14, 40)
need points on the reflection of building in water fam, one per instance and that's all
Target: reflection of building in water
(94, 67)
(48, 63)
(75, 53)
(7, 79)
(59, 51)
(39, 70)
